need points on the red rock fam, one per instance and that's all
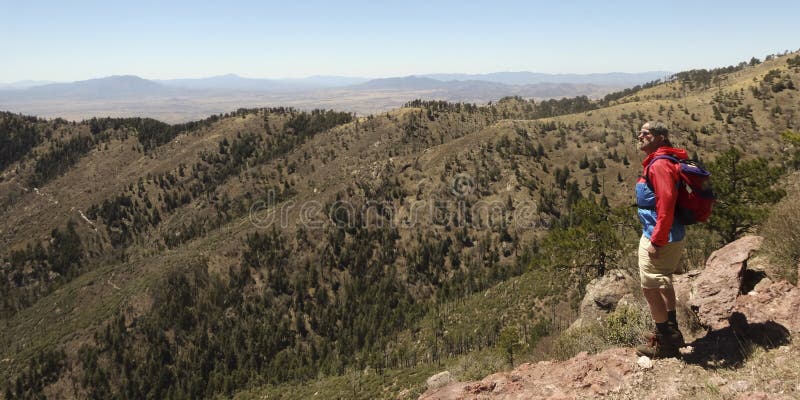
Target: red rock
(716, 288)
(779, 303)
(582, 376)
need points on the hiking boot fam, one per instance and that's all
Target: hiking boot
(676, 336)
(659, 346)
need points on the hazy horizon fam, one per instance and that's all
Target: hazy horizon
(75, 41)
(233, 74)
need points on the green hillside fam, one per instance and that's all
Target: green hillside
(253, 252)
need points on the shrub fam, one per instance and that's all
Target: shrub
(700, 243)
(625, 326)
(477, 365)
(782, 238)
(574, 341)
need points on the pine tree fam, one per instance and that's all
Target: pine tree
(744, 189)
(584, 163)
(589, 239)
(509, 342)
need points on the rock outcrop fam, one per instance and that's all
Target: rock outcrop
(602, 296)
(715, 290)
(716, 293)
(439, 380)
(778, 302)
(582, 376)
(766, 315)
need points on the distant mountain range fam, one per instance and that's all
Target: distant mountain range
(118, 86)
(529, 78)
(175, 100)
(23, 84)
(428, 81)
(236, 82)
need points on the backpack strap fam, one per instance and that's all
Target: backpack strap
(647, 169)
(647, 179)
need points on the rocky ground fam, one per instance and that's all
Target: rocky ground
(745, 351)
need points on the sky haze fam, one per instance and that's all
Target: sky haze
(68, 41)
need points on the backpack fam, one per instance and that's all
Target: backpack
(695, 196)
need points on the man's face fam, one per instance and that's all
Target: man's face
(648, 142)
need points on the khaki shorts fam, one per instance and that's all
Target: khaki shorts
(658, 273)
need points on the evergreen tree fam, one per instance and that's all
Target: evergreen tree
(509, 342)
(66, 250)
(744, 189)
(584, 163)
(589, 239)
(595, 184)
(540, 150)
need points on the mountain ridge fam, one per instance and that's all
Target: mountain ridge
(115, 86)
(188, 100)
(527, 77)
(507, 77)
(184, 210)
(128, 83)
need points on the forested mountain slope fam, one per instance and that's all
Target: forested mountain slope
(266, 246)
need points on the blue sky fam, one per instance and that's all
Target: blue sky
(75, 40)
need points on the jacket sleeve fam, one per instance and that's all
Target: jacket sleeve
(662, 178)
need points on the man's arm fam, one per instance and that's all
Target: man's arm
(663, 180)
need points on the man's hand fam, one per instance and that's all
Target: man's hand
(653, 251)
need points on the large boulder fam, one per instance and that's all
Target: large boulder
(715, 290)
(439, 380)
(778, 302)
(603, 295)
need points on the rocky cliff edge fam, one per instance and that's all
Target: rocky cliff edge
(744, 351)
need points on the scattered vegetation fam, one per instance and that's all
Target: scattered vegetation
(36, 270)
(625, 326)
(524, 201)
(782, 239)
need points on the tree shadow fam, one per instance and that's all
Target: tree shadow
(730, 347)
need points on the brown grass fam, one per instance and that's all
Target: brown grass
(782, 237)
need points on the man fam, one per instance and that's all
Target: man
(661, 243)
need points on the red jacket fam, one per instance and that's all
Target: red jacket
(663, 177)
